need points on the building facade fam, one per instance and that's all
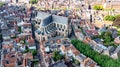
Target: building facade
(5, 1)
(19, 1)
(50, 26)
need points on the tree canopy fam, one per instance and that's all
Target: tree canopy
(57, 56)
(109, 18)
(1, 4)
(112, 17)
(107, 37)
(34, 52)
(102, 60)
(33, 1)
(75, 61)
(98, 7)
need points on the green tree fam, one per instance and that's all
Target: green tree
(57, 56)
(108, 40)
(107, 37)
(34, 52)
(98, 7)
(102, 60)
(117, 16)
(35, 62)
(33, 1)
(118, 32)
(26, 49)
(1, 4)
(19, 29)
(0, 36)
(75, 61)
(110, 18)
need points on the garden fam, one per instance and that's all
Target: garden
(108, 40)
(57, 56)
(111, 17)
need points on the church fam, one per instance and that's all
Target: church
(49, 25)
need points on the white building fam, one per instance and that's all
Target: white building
(24, 1)
(17, 1)
(5, 1)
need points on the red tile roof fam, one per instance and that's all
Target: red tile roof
(27, 24)
(8, 46)
(10, 59)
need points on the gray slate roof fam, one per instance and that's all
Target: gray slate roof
(45, 18)
(117, 49)
(43, 15)
(46, 21)
(38, 31)
(58, 64)
(49, 18)
(59, 19)
(98, 40)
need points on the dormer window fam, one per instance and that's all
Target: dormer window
(54, 25)
(64, 27)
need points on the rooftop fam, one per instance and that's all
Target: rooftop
(43, 15)
(60, 19)
(46, 18)
(59, 64)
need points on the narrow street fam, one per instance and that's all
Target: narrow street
(39, 53)
(40, 56)
(72, 36)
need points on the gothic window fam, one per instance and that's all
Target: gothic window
(54, 25)
(57, 25)
(64, 27)
(60, 26)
